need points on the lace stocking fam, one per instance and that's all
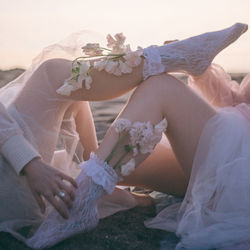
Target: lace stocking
(192, 55)
(95, 179)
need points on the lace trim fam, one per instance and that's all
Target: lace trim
(152, 63)
(101, 173)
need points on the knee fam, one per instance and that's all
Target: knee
(160, 85)
(56, 68)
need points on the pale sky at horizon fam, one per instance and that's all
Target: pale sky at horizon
(26, 26)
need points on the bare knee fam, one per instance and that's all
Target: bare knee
(56, 70)
(159, 83)
(160, 88)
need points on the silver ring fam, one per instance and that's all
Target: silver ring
(61, 194)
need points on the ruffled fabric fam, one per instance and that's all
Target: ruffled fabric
(152, 63)
(218, 87)
(215, 211)
(100, 172)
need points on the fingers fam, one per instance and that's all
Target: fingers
(58, 204)
(40, 202)
(69, 179)
(68, 194)
(69, 190)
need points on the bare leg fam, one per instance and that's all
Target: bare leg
(160, 172)
(44, 109)
(84, 126)
(165, 96)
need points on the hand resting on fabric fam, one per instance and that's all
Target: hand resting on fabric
(49, 182)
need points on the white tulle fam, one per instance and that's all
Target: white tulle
(215, 211)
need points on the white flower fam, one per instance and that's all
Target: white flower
(117, 43)
(100, 65)
(111, 41)
(80, 79)
(88, 81)
(84, 68)
(143, 136)
(111, 66)
(92, 49)
(135, 151)
(137, 132)
(128, 167)
(161, 126)
(121, 124)
(91, 46)
(65, 89)
(133, 59)
(117, 71)
(120, 39)
(125, 68)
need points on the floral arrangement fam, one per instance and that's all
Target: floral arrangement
(143, 136)
(116, 59)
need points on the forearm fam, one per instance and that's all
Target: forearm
(14, 147)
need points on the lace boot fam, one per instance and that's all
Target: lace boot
(95, 180)
(192, 55)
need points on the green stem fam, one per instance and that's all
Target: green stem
(108, 55)
(120, 160)
(105, 48)
(120, 141)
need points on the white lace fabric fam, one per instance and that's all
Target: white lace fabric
(101, 173)
(192, 55)
(152, 63)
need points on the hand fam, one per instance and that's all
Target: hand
(49, 182)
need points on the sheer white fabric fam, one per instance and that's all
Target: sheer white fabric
(215, 211)
(36, 113)
(213, 214)
(96, 178)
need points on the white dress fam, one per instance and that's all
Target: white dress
(34, 122)
(215, 212)
(216, 209)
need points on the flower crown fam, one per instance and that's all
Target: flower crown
(116, 59)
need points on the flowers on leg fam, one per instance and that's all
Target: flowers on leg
(143, 137)
(116, 59)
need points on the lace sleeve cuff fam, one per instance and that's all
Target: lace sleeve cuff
(18, 151)
(101, 173)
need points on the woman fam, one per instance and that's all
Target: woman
(183, 136)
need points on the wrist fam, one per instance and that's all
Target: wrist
(30, 165)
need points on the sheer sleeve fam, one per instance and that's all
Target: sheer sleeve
(13, 146)
(218, 87)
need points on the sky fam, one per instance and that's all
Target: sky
(27, 26)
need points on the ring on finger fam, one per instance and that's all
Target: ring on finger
(61, 194)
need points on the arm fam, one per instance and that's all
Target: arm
(42, 178)
(13, 146)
